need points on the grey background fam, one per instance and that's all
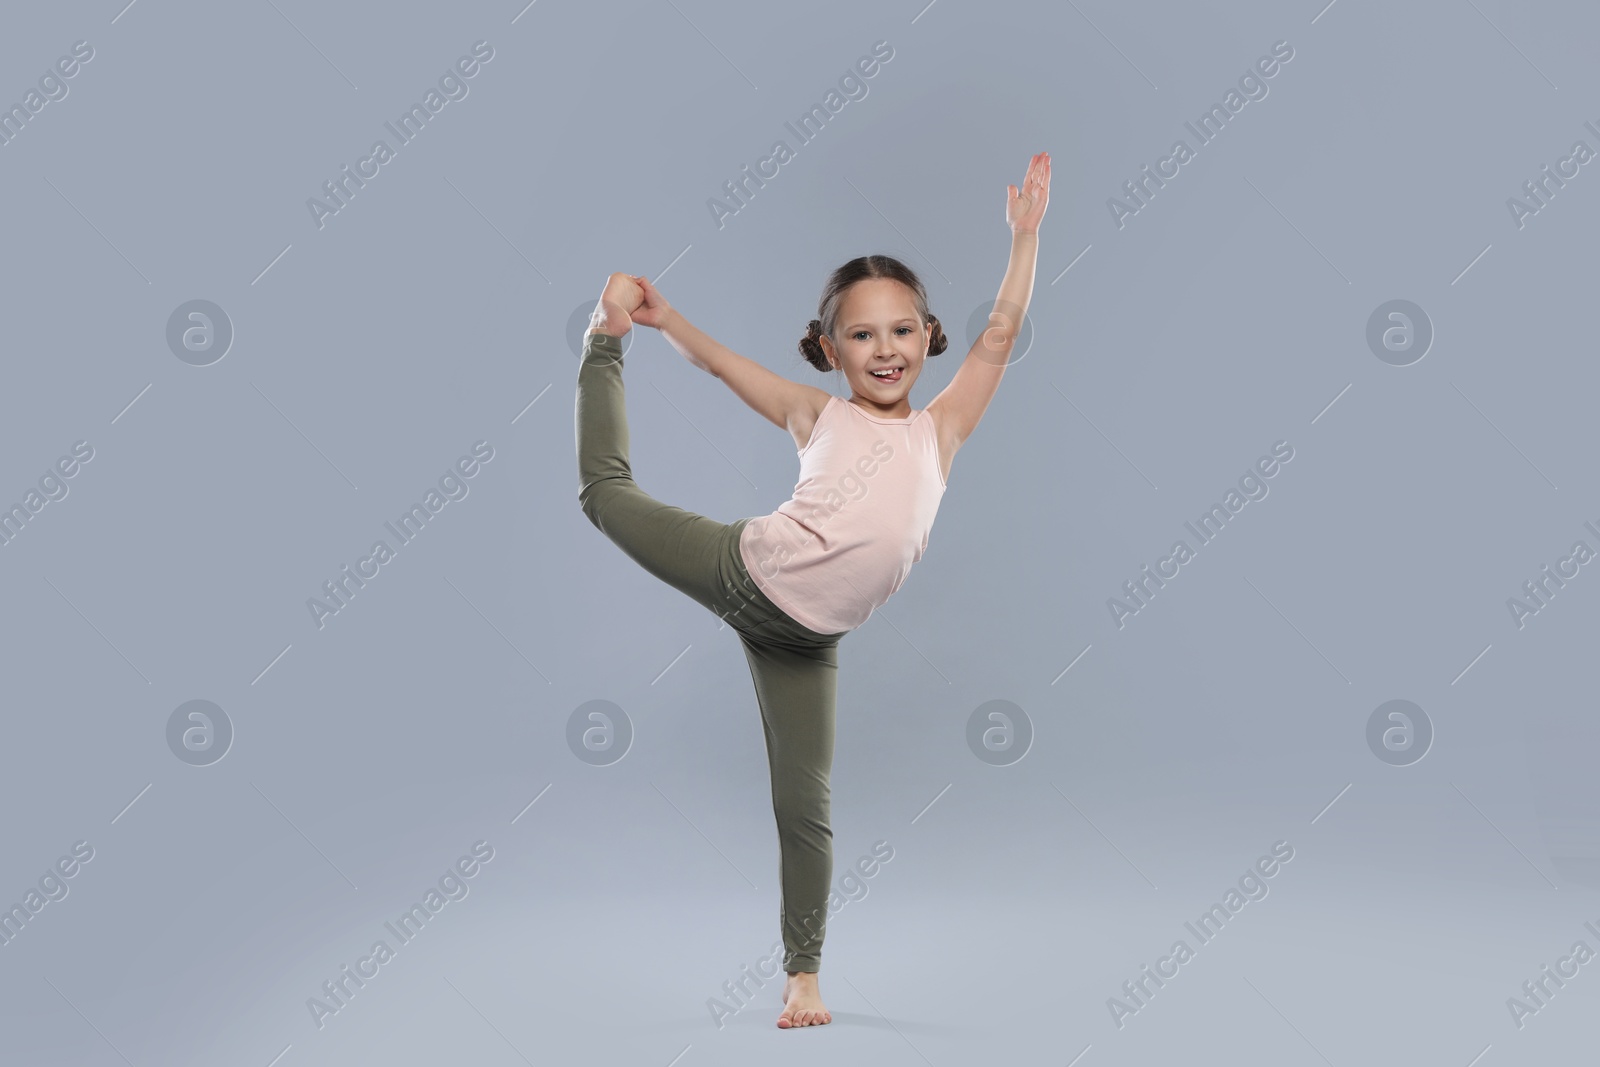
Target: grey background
(430, 713)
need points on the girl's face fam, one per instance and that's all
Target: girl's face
(878, 330)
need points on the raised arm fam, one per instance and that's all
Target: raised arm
(782, 402)
(961, 404)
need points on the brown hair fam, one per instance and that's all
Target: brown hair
(840, 281)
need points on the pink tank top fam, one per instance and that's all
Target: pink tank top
(840, 547)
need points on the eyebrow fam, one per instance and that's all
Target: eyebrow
(862, 325)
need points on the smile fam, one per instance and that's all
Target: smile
(888, 376)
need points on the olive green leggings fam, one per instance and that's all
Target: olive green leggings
(795, 669)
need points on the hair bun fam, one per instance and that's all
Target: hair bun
(810, 349)
(937, 342)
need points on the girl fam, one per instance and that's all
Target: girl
(792, 583)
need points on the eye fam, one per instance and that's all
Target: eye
(907, 329)
(858, 335)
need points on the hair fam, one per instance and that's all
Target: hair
(839, 283)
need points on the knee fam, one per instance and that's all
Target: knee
(588, 501)
(803, 811)
(593, 495)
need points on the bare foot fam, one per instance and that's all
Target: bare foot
(802, 1004)
(622, 295)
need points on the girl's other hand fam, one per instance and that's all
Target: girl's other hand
(1024, 210)
(654, 310)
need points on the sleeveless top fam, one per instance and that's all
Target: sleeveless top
(841, 546)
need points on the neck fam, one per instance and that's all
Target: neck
(899, 410)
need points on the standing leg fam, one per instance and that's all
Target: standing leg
(796, 689)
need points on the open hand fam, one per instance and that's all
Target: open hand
(654, 310)
(1025, 209)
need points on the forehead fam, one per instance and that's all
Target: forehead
(882, 299)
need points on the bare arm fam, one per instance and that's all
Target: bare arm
(961, 404)
(774, 397)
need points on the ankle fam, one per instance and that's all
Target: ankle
(608, 317)
(613, 324)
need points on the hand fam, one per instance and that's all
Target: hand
(1024, 210)
(655, 309)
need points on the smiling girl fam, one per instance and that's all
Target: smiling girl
(792, 583)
